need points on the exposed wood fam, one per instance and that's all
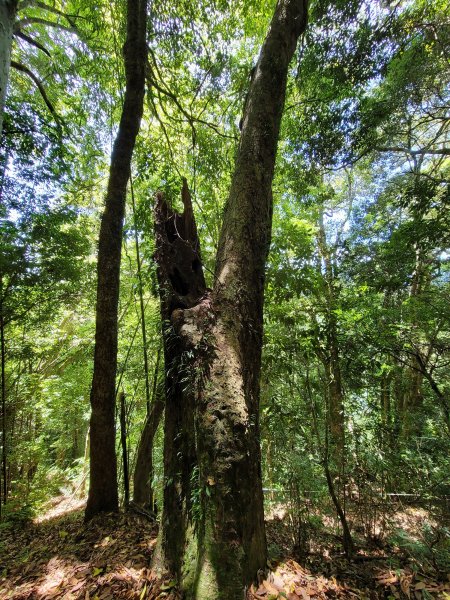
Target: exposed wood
(213, 342)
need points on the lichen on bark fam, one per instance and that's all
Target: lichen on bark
(212, 347)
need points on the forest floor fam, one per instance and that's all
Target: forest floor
(58, 556)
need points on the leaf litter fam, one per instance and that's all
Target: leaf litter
(110, 558)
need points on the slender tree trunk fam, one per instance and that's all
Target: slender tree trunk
(123, 443)
(4, 421)
(103, 495)
(347, 540)
(440, 395)
(141, 302)
(143, 471)
(387, 420)
(336, 422)
(85, 464)
(212, 534)
(8, 10)
(413, 399)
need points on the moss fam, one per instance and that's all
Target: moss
(189, 568)
(206, 571)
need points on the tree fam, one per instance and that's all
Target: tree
(8, 10)
(41, 260)
(143, 472)
(103, 494)
(213, 534)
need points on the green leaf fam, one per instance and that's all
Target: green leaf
(168, 586)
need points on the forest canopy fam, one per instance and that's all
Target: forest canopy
(224, 275)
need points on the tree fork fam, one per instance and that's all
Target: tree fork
(212, 534)
(182, 286)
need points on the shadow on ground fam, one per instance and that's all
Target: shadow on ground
(61, 557)
(109, 558)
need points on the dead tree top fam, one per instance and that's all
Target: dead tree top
(180, 270)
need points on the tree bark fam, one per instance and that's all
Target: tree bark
(103, 495)
(182, 286)
(331, 359)
(347, 540)
(123, 443)
(4, 457)
(8, 9)
(413, 398)
(143, 471)
(141, 302)
(212, 534)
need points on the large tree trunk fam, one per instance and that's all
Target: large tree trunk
(8, 10)
(103, 494)
(212, 534)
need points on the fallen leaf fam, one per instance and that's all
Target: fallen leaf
(278, 582)
(168, 586)
(420, 586)
(77, 586)
(272, 589)
(404, 584)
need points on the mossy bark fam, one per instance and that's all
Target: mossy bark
(212, 529)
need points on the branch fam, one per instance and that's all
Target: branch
(38, 83)
(422, 152)
(32, 20)
(32, 41)
(163, 127)
(189, 117)
(48, 8)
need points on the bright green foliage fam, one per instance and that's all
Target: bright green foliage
(364, 149)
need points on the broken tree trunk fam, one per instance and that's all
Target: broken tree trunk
(212, 529)
(182, 287)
